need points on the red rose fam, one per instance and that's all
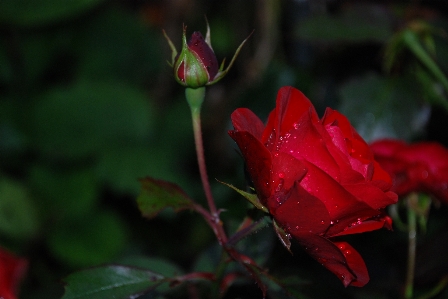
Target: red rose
(418, 167)
(317, 177)
(12, 270)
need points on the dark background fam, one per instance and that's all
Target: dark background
(88, 105)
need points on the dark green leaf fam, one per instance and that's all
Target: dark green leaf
(384, 107)
(154, 264)
(98, 239)
(157, 195)
(110, 282)
(68, 194)
(18, 217)
(118, 46)
(88, 117)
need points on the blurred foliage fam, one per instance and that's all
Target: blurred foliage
(88, 106)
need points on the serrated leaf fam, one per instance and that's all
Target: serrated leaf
(111, 282)
(252, 198)
(157, 195)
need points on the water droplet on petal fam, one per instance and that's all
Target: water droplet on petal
(322, 222)
(341, 246)
(347, 252)
(281, 175)
(331, 222)
(296, 125)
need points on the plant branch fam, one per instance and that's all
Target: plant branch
(412, 245)
(195, 97)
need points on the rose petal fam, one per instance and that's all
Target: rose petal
(339, 202)
(371, 195)
(258, 162)
(290, 106)
(298, 211)
(366, 226)
(286, 170)
(307, 142)
(245, 120)
(351, 271)
(355, 263)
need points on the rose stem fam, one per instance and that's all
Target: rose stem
(412, 244)
(195, 98)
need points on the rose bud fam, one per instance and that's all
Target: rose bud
(317, 178)
(416, 167)
(196, 65)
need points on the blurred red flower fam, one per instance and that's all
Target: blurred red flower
(12, 270)
(418, 167)
(317, 177)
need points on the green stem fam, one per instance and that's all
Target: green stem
(195, 98)
(412, 245)
(437, 289)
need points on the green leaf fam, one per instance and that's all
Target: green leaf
(88, 117)
(18, 217)
(99, 238)
(40, 12)
(68, 194)
(252, 198)
(157, 195)
(111, 282)
(381, 107)
(133, 53)
(155, 264)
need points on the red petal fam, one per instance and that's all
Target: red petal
(371, 195)
(258, 162)
(339, 202)
(245, 120)
(308, 142)
(299, 212)
(355, 263)
(290, 106)
(366, 226)
(286, 170)
(350, 269)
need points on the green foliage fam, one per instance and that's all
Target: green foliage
(118, 282)
(88, 117)
(18, 217)
(383, 107)
(157, 195)
(94, 241)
